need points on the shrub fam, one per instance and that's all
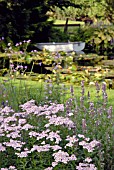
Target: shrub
(97, 39)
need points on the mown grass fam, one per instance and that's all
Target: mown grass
(69, 22)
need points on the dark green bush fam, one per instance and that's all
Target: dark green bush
(57, 35)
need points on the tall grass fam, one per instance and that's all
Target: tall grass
(17, 92)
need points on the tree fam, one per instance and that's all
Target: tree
(27, 19)
(100, 10)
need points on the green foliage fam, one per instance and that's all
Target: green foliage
(110, 10)
(102, 38)
(97, 10)
(98, 37)
(56, 35)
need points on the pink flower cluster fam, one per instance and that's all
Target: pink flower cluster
(14, 127)
(10, 168)
(63, 157)
(59, 120)
(86, 166)
(89, 146)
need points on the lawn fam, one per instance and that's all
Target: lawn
(69, 22)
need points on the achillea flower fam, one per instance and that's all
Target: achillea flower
(17, 145)
(62, 156)
(27, 126)
(33, 134)
(6, 110)
(21, 114)
(12, 168)
(13, 135)
(22, 121)
(54, 164)
(2, 148)
(72, 157)
(43, 148)
(71, 140)
(81, 136)
(86, 166)
(88, 160)
(54, 135)
(23, 154)
(10, 119)
(27, 105)
(89, 146)
(54, 120)
(82, 143)
(56, 147)
(70, 114)
(49, 168)
(1, 119)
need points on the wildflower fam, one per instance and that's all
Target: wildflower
(13, 135)
(53, 135)
(12, 168)
(27, 126)
(20, 43)
(40, 63)
(2, 148)
(23, 154)
(92, 83)
(59, 121)
(61, 156)
(43, 143)
(17, 44)
(11, 65)
(6, 110)
(84, 124)
(28, 41)
(70, 114)
(83, 143)
(40, 148)
(14, 144)
(86, 166)
(22, 121)
(71, 140)
(81, 136)
(49, 168)
(9, 44)
(56, 147)
(89, 146)
(88, 160)
(54, 164)
(25, 67)
(72, 157)
(72, 90)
